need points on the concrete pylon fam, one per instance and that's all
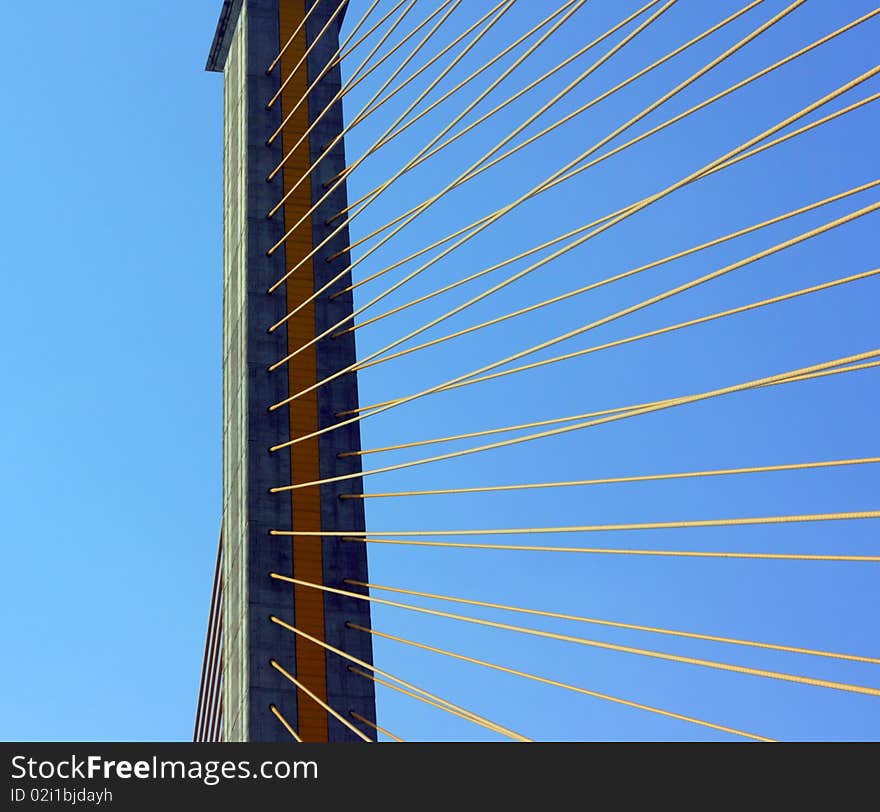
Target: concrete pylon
(258, 251)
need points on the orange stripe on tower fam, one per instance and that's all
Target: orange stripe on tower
(311, 664)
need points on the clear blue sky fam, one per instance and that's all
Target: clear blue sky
(110, 345)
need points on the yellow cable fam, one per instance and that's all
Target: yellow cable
(596, 222)
(377, 144)
(452, 707)
(286, 724)
(504, 6)
(509, 207)
(576, 354)
(305, 55)
(619, 625)
(805, 373)
(412, 77)
(597, 348)
(591, 528)
(567, 176)
(448, 94)
(333, 61)
(620, 413)
(431, 143)
(414, 213)
(339, 94)
(344, 50)
(296, 31)
(797, 466)
(557, 684)
(425, 155)
(625, 211)
(368, 361)
(604, 156)
(583, 641)
(619, 342)
(511, 99)
(551, 421)
(375, 727)
(687, 252)
(420, 209)
(356, 80)
(597, 413)
(564, 92)
(476, 376)
(464, 379)
(532, 548)
(404, 691)
(756, 150)
(367, 34)
(312, 695)
(675, 119)
(617, 410)
(647, 201)
(467, 378)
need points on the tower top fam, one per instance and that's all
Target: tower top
(223, 35)
(226, 29)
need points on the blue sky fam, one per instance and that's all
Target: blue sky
(111, 351)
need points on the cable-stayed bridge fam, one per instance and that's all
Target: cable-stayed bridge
(550, 350)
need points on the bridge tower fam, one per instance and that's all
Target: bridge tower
(279, 111)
